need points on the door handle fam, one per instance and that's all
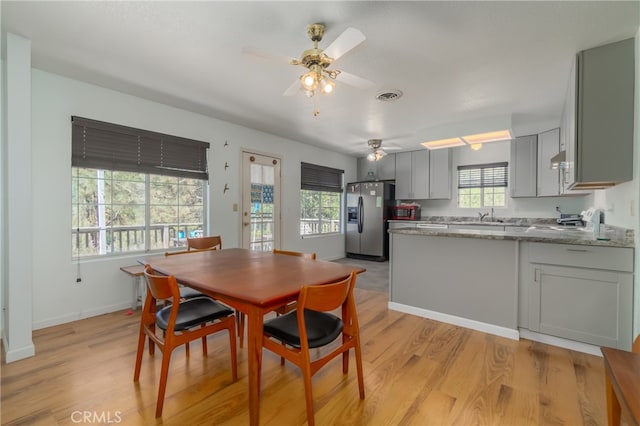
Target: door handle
(246, 223)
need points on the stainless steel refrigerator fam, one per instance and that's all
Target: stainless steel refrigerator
(369, 205)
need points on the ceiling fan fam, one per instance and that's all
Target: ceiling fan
(377, 152)
(319, 78)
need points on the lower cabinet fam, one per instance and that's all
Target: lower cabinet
(582, 293)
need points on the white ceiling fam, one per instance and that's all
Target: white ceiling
(455, 61)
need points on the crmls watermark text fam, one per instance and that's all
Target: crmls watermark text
(101, 417)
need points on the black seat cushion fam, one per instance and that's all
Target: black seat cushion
(188, 293)
(193, 312)
(322, 328)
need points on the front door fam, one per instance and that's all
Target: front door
(260, 201)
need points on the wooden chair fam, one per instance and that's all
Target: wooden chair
(281, 310)
(180, 322)
(311, 326)
(204, 243)
(291, 306)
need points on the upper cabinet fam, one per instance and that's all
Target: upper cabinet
(384, 169)
(598, 117)
(548, 179)
(412, 175)
(440, 174)
(423, 175)
(522, 167)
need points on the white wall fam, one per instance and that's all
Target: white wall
(544, 207)
(57, 297)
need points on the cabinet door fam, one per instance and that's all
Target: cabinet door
(548, 179)
(605, 113)
(403, 175)
(386, 167)
(440, 174)
(523, 166)
(569, 131)
(364, 167)
(586, 305)
(420, 174)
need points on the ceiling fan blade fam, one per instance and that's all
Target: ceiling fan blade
(293, 89)
(354, 80)
(346, 41)
(267, 55)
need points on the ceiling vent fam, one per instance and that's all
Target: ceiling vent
(389, 95)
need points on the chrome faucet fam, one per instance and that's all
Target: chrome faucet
(482, 215)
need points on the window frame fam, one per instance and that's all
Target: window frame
(112, 148)
(499, 178)
(321, 180)
(147, 225)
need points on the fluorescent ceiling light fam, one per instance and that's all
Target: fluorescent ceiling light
(496, 136)
(443, 143)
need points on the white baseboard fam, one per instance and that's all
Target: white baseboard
(452, 319)
(75, 316)
(560, 342)
(16, 354)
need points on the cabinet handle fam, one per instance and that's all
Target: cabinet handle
(536, 275)
(578, 250)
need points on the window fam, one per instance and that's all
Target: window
(483, 185)
(134, 190)
(320, 200)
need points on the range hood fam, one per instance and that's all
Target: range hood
(559, 161)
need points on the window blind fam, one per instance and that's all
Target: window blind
(320, 178)
(483, 175)
(100, 145)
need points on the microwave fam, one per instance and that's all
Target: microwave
(405, 212)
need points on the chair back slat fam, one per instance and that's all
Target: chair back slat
(161, 286)
(204, 243)
(311, 256)
(324, 298)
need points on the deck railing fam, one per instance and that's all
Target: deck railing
(122, 239)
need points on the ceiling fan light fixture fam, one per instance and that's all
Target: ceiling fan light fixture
(309, 80)
(326, 85)
(371, 156)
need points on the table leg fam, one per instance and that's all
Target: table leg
(255, 319)
(134, 301)
(613, 405)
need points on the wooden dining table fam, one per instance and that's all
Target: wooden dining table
(622, 386)
(254, 283)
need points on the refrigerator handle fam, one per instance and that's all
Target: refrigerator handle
(360, 218)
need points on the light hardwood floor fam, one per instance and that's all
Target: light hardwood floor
(417, 372)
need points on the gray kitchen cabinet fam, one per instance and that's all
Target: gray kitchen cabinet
(384, 169)
(523, 166)
(412, 175)
(440, 163)
(599, 117)
(548, 180)
(577, 292)
(366, 169)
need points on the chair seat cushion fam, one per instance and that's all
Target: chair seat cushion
(193, 312)
(322, 328)
(188, 293)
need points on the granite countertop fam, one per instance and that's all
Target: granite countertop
(534, 230)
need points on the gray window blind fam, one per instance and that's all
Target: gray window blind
(483, 175)
(320, 178)
(100, 145)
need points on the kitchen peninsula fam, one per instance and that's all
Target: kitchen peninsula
(561, 283)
